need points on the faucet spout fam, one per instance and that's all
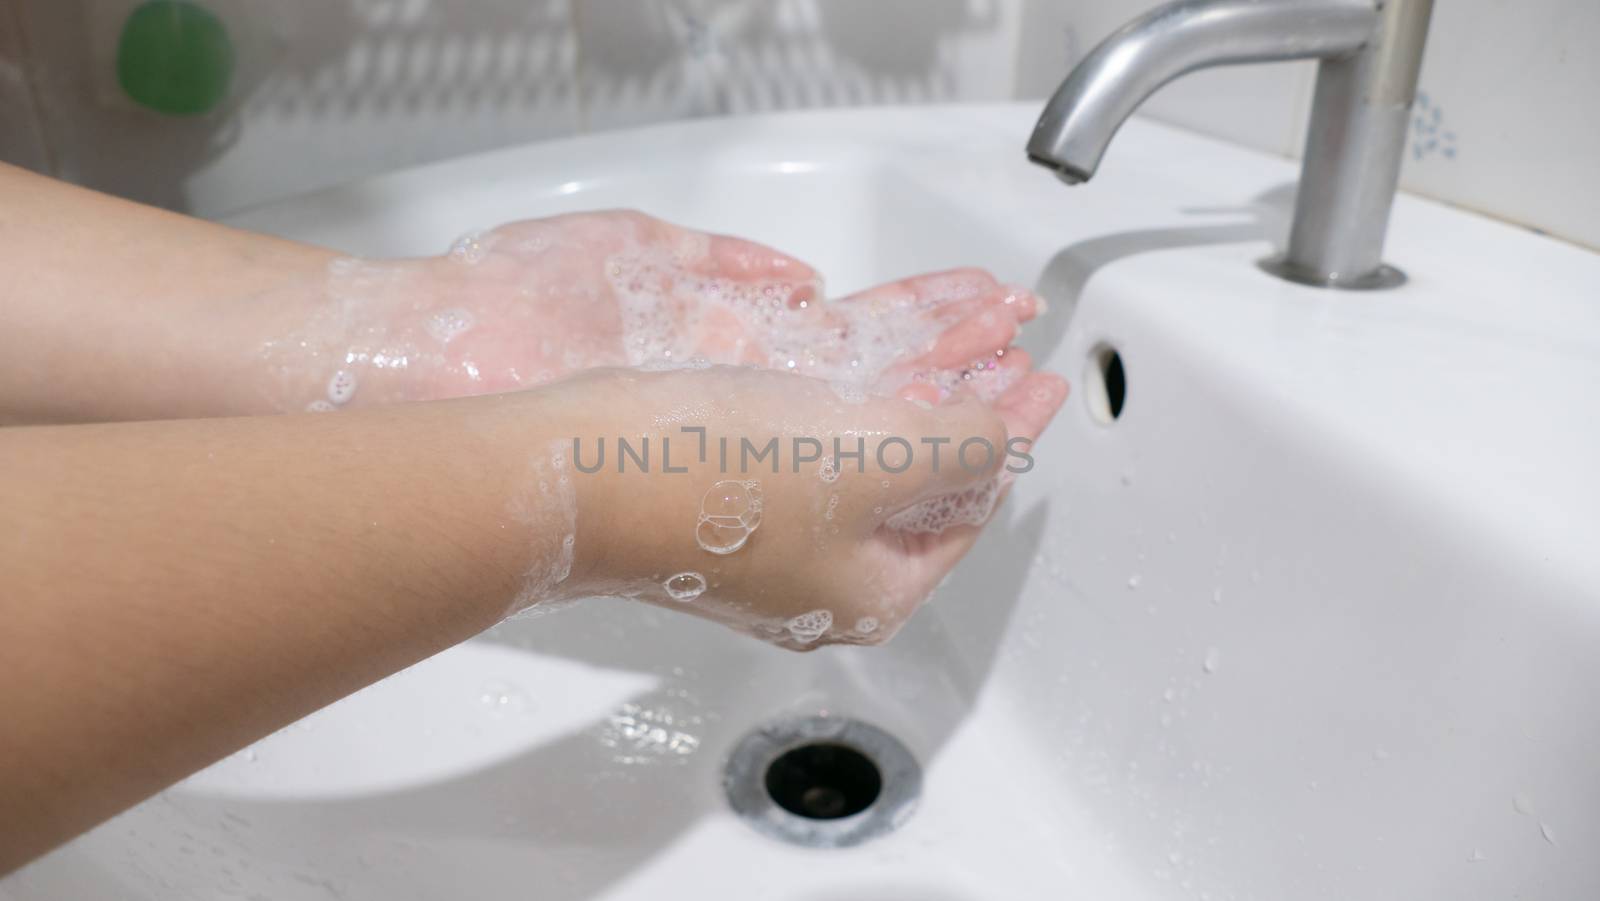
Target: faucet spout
(1173, 40)
(1370, 50)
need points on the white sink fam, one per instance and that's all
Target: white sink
(1317, 618)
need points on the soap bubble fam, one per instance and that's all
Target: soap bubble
(729, 512)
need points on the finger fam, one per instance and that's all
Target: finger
(929, 290)
(986, 377)
(925, 393)
(1022, 303)
(952, 294)
(990, 378)
(919, 357)
(747, 261)
(1029, 404)
(977, 336)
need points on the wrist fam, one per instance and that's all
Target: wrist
(552, 525)
(350, 335)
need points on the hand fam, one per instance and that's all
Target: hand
(800, 554)
(538, 300)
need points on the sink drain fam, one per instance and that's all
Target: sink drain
(822, 781)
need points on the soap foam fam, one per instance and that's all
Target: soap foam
(671, 315)
(548, 506)
(445, 326)
(808, 627)
(970, 507)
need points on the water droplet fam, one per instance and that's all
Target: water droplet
(1216, 595)
(685, 586)
(1380, 754)
(1133, 581)
(1521, 803)
(1547, 832)
(470, 248)
(341, 387)
(645, 735)
(1213, 659)
(504, 698)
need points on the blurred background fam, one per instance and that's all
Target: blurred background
(294, 95)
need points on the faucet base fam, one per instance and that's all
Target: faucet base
(1379, 279)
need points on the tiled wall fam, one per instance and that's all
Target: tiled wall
(648, 61)
(1508, 122)
(324, 91)
(328, 90)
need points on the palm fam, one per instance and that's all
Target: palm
(547, 298)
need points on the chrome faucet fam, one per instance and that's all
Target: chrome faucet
(1371, 51)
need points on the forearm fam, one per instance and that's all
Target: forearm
(113, 310)
(173, 590)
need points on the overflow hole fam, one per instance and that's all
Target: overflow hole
(1106, 384)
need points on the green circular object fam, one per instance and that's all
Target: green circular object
(175, 57)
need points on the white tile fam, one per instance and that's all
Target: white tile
(665, 59)
(1260, 106)
(324, 92)
(21, 137)
(1510, 119)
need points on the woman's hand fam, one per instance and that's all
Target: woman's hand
(176, 589)
(537, 300)
(767, 532)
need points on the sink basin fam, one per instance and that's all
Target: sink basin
(1317, 616)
